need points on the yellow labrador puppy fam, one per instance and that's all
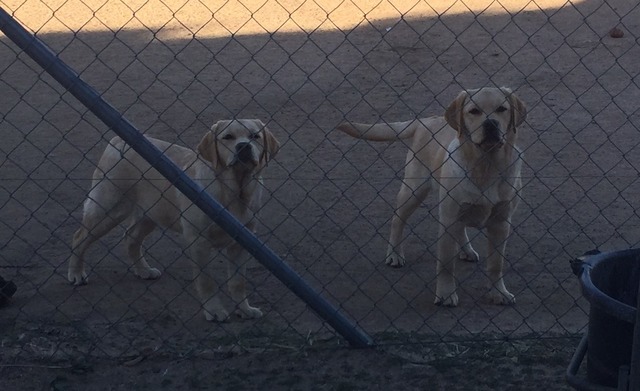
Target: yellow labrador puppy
(471, 155)
(227, 163)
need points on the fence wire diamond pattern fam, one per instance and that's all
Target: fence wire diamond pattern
(173, 68)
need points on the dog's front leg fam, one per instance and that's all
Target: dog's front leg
(449, 242)
(237, 271)
(76, 273)
(208, 288)
(498, 233)
(414, 189)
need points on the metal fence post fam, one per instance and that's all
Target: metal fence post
(69, 79)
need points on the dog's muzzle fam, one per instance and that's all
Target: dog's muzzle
(244, 154)
(492, 135)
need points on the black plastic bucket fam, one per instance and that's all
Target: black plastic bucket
(610, 284)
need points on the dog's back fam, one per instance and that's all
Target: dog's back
(124, 182)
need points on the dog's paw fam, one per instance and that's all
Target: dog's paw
(248, 312)
(218, 316)
(447, 301)
(214, 310)
(148, 274)
(77, 277)
(468, 254)
(394, 259)
(502, 298)
(446, 291)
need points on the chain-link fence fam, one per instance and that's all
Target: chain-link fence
(174, 68)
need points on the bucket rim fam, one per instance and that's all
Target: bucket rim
(598, 298)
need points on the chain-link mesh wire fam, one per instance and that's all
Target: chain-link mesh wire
(173, 68)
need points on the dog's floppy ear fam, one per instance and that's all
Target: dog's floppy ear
(454, 113)
(271, 145)
(518, 108)
(208, 147)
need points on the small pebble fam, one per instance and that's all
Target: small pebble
(616, 33)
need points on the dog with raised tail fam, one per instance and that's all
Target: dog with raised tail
(471, 156)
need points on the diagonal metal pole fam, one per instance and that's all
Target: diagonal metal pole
(70, 80)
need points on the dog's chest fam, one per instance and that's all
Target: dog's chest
(480, 205)
(486, 194)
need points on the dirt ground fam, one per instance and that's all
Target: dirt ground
(526, 365)
(174, 67)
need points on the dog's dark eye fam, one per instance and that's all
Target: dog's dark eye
(254, 136)
(501, 109)
(228, 137)
(475, 111)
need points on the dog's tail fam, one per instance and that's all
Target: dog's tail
(380, 132)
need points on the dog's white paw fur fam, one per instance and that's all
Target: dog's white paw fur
(248, 312)
(501, 298)
(218, 315)
(468, 254)
(394, 258)
(446, 294)
(214, 311)
(148, 274)
(450, 300)
(77, 277)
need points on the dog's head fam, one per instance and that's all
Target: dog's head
(488, 117)
(244, 144)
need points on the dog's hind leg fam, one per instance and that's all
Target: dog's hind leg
(97, 220)
(208, 288)
(236, 271)
(412, 193)
(135, 235)
(450, 239)
(468, 254)
(498, 233)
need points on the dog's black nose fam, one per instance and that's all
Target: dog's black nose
(243, 152)
(491, 129)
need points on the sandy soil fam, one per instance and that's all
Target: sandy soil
(174, 67)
